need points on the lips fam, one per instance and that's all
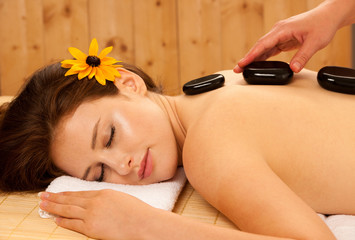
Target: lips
(146, 166)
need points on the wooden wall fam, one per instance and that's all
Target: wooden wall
(173, 40)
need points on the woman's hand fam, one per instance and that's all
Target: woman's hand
(308, 32)
(104, 214)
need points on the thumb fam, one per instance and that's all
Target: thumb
(302, 56)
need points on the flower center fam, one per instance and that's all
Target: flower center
(93, 61)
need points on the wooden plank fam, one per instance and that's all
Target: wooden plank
(337, 53)
(276, 10)
(155, 37)
(34, 36)
(65, 25)
(13, 51)
(199, 38)
(242, 25)
(111, 23)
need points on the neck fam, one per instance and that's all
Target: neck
(168, 105)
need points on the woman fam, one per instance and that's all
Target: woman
(268, 157)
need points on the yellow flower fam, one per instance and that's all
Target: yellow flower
(92, 65)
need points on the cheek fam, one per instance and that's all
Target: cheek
(168, 153)
(65, 155)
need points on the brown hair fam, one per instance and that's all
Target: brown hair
(27, 125)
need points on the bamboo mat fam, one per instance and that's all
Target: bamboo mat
(19, 217)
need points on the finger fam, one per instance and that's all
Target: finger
(268, 54)
(264, 48)
(83, 194)
(64, 198)
(253, 55)
(67, 211)
(71, 224)
(238, 69)
(78, 194)
(289, 45)
(302, 56)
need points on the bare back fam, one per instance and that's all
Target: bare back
(302, 134)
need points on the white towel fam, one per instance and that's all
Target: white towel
(342, 226)
(161, 195)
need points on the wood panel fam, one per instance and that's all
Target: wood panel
(199, 38)
(242, 25)
(65, 25)
(13, 44)
(173, 40)
(111, 23)
(155, 31)
(34, 36)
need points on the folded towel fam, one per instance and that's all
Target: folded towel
(342, 226)
(161, 195)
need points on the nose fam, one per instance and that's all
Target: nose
(123, 166)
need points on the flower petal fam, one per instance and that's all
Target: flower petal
(70, 72)
(80, 67)
(111, 70)
(84, 72)
(94, 48)
(76, 53)
(109, 61)
(70, 62)
(64, 65)
(108, 75)
(93, 72)
(104, 52)
(100, 77)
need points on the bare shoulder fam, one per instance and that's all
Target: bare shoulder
(215, 144)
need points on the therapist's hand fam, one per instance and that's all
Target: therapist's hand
(308, 32)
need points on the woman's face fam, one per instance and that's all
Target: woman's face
(124, 139)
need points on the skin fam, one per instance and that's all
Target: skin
(308, 32)
(117, 134)
(268, 157)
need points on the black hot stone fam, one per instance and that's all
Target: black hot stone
(93, 61)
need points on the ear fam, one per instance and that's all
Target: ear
(131, 82)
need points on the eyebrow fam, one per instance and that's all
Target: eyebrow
(93, 143)
(94, 134)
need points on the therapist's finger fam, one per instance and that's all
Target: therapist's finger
(241, 65)
(264, 48)
(302, 56)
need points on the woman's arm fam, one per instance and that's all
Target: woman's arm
(108, 214)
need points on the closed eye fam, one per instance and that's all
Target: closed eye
(109, 142)
(102, 175)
